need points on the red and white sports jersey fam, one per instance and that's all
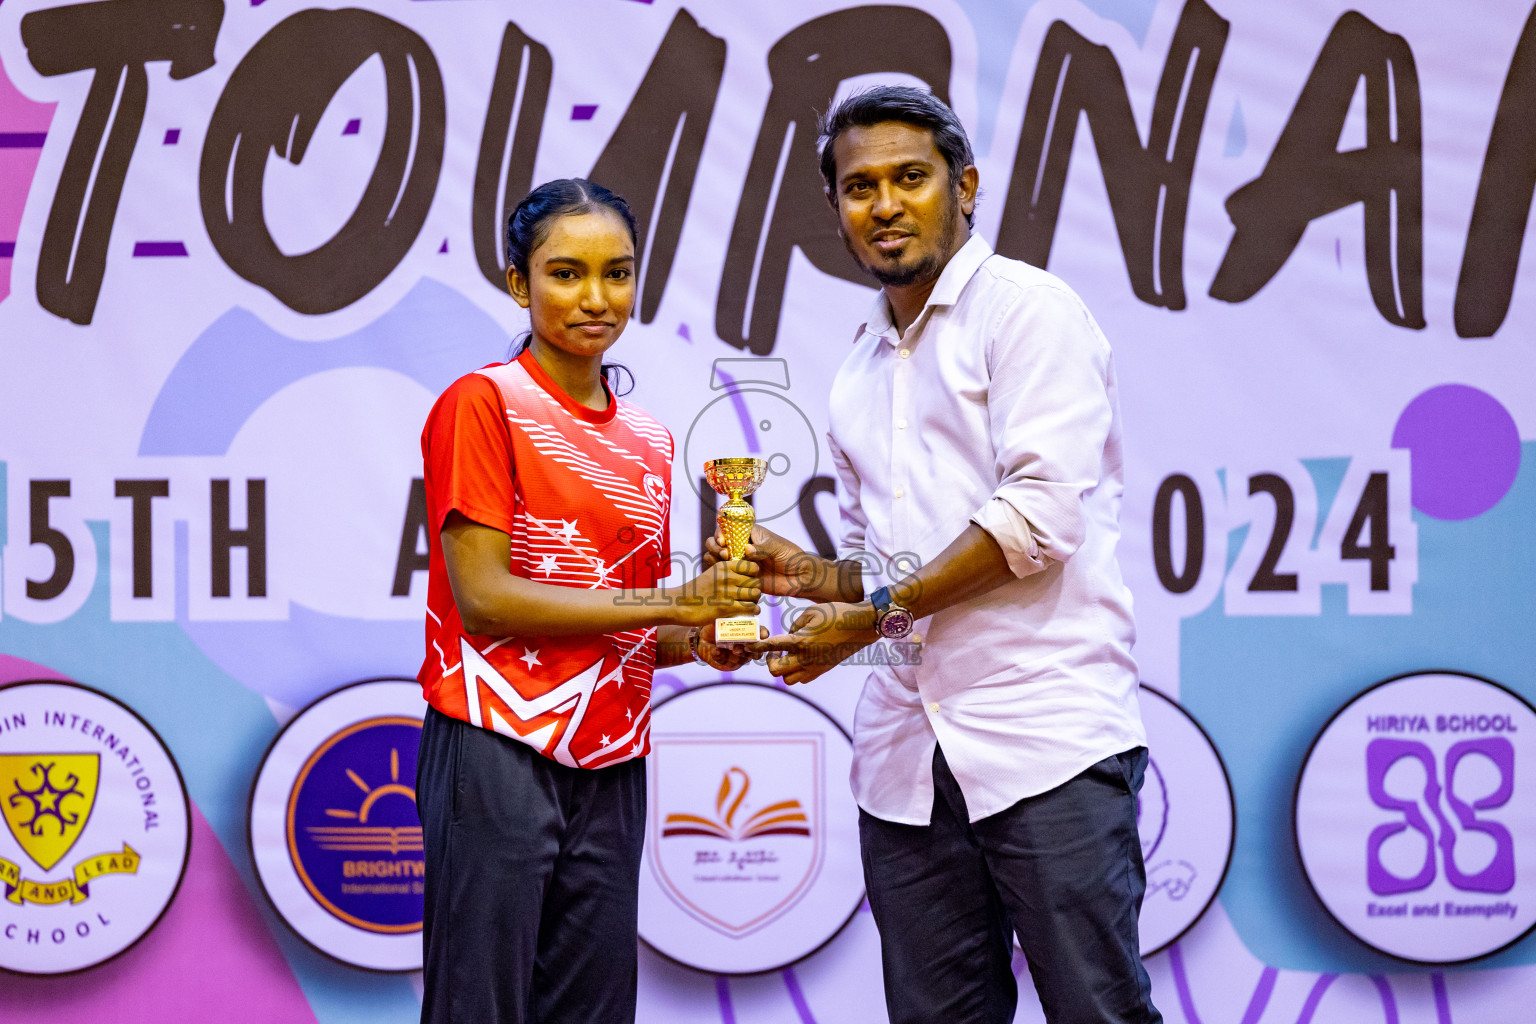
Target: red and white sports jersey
(584, 495)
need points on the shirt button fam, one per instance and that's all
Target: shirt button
(917, 638)
(934, 708)
(899, 492)
(904, 353)
(901, 424)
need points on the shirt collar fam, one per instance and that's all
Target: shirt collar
(957, 273)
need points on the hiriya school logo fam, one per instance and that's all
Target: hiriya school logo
(96, 828)
(334, 830)
(1185, 817)
(752, 856)
(1416, 817)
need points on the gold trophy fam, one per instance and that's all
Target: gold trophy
(736, 478)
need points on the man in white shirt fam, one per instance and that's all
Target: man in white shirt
(975, 429)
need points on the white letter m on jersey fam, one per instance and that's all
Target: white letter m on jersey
(555, 715)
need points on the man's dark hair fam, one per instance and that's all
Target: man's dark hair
(917, 107)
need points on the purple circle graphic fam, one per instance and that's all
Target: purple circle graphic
(1464, 447)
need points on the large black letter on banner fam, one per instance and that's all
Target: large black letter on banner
(114, 39)
(509, 142)
(654, 153)
(415, 548)
(1148, 187)
(224, 538)
(273, 102)
(51, 538)
(782, 202)
(1307, 177)
(1503, 204)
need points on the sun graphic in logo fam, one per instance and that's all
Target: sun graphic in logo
(363, 838)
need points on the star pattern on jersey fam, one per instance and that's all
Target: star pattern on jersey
(626, 465)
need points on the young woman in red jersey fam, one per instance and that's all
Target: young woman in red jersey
(548, 499)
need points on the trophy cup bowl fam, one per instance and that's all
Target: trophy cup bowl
(735, 478)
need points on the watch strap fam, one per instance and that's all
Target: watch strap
(693, 647)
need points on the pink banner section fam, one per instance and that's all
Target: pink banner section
(211, 958)
(23, 129)
(14, 670)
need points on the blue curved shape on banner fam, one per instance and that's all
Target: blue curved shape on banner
(1135, 15)
(434, 335)
(309, 653)
(1471, 613)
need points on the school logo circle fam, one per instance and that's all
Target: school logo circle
(1186, 816)
(97, 828)
(334, 831)
(752, 837)
(1415, 817)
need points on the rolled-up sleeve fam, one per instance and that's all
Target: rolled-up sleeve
(851, 520)
(1050, 413)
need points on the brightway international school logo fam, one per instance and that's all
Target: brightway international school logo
(334, 829)
(752, 836)
(96, 828)
(1416, 817)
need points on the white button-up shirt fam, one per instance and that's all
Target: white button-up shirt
(997, 406)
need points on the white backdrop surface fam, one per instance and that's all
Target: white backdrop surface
(242, 248)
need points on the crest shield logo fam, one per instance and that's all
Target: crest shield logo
(46, 800)
(740, 838)
(97, 827)
(752, 837)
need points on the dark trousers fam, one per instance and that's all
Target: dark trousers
(532, 880)
(1062, 869)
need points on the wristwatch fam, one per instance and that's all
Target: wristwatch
(693, 647)
(892, 621)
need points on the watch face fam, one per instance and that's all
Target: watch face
(895, 623)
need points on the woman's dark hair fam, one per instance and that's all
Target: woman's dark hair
(917, 107)
(528, 227)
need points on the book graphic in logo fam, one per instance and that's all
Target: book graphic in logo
(96, 827)
(1415, 825)
(785, 818)
(746, 839)
(334, 829)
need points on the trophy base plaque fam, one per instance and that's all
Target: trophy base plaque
(739, 629)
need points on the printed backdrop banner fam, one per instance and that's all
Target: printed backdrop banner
(244, 246)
